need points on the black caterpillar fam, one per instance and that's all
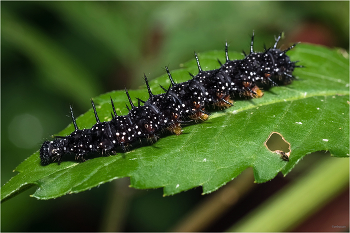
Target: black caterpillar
(181, 102)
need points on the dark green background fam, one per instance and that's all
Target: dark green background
(60, 53)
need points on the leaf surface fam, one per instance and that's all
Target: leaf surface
(312, 114)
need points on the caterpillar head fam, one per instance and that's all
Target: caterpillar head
(49, 152)
(45, 154)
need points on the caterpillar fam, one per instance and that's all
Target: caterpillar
(180, 103)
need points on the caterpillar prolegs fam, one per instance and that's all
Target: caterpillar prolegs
(180, 103)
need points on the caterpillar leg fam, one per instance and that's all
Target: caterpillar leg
(175, 128)
(224, 101)
(252, 91)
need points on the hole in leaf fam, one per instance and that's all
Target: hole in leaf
(277, 144)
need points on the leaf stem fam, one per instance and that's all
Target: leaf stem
(216, 204)
(293, 204)
(117, 206)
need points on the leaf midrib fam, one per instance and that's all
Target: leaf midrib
(275, 101)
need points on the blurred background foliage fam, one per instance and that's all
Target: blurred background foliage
(59, 53)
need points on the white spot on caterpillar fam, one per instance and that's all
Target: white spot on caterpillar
(318, 108)
(305, 93)
(177, 185)
(299, 123)
(204, 160)
(325, 140)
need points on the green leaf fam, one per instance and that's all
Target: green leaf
(312, 114)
